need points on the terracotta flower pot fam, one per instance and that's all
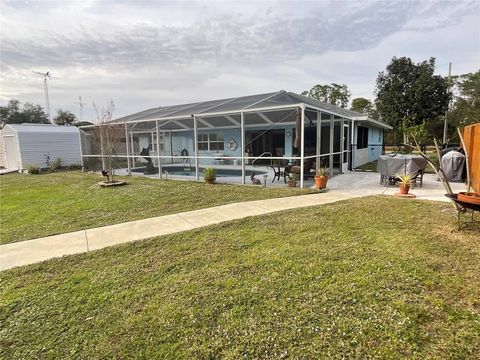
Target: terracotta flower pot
(404, 189)
(469, 197)
(292, 184)
(321, 182)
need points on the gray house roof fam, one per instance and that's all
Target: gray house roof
(251, 103)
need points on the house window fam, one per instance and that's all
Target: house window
(161, 141)
(362, 137)
(210, 142)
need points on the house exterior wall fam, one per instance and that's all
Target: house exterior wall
(374, 148)
(375, 142)
(184, 140)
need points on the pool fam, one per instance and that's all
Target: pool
(219, 172)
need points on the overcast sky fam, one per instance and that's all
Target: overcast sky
(144, 54)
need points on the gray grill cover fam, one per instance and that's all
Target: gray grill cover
(453, 164)
(390, 165)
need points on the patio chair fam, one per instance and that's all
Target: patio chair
(418, 178)
(278, 172)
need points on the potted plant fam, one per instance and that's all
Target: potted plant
(405, 182)
(292, 180)
(209, 175)
(321, 177)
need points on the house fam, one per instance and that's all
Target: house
(39, 144)
(244, 131)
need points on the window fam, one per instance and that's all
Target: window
(153, 146)
(362, 137)
(210, 142)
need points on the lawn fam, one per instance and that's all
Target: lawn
(376, 277)
(34, 206)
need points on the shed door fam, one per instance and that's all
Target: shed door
(11, 155)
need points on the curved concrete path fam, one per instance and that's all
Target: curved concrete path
(353, 185)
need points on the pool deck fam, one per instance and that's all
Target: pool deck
(223, 179)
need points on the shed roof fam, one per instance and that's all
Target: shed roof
(42, 128)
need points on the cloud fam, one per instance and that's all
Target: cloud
(218, 39)
(166, 52)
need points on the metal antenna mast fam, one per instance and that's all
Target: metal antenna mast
(80, 103)
(46, 76)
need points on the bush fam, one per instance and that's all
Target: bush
(33, 169)
(56, 164)
(74, 167)
(209, 175)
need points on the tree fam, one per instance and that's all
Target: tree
(65, 118)
(466, 108)
(335, 94)
(107, 136)
(29, 113)
(361, 105)
(409, 94)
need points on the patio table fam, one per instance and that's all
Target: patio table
(390, 165)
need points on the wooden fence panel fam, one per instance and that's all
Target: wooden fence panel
(471, 136)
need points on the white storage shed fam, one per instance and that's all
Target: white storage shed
(39, 144)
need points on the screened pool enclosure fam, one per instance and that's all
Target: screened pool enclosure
(243, 137)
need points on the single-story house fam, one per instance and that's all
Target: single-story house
(274, 127)
(39, 144)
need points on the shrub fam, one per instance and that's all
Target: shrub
(209, 175)
(56, 164)
(33, 169)
(74, 167)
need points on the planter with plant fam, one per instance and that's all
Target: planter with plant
(321, 177)
(405, 182)
(209, 175)
(292, 180)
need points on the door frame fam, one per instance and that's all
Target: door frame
(15, 145)
(346, 146)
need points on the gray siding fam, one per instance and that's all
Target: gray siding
(36, 143)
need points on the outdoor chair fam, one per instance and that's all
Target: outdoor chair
(418, 178)
(278, 172)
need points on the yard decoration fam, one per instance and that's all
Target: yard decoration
(254, 180)
(468, 196)
(292, 180)
(209, 175)
(464, 201)
(321, 177)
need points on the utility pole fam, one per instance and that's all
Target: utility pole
(445, 125)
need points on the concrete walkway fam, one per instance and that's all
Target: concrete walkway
(342, 187)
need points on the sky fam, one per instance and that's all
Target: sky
(144, 54)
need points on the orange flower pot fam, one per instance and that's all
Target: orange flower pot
(404, 189)
(321, 182)
(469, 197)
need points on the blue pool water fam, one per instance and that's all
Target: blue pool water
(179, 170)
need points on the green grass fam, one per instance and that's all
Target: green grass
(377, 277)
(34, 206)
